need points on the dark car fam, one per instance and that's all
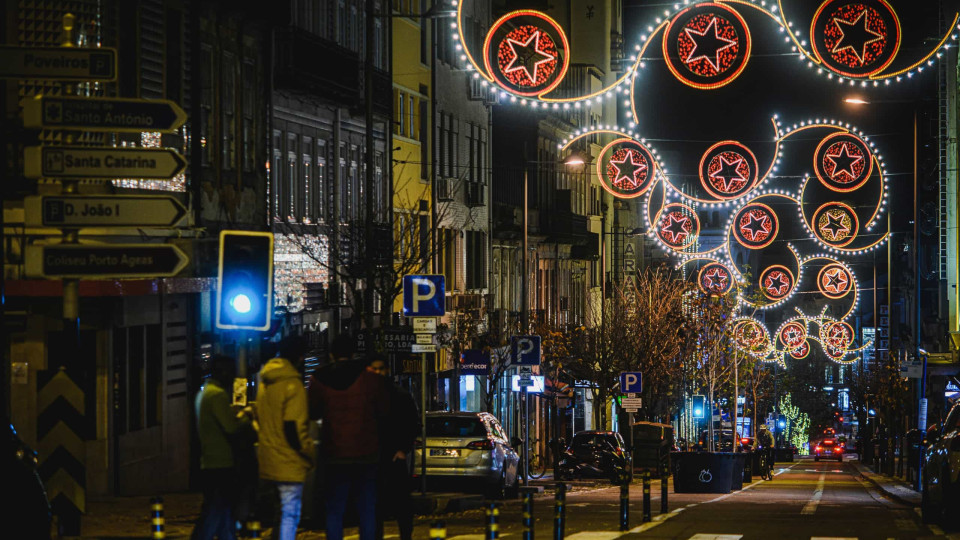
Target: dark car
(595, 454)
(26, 515)
(941, 471)
(828, 448)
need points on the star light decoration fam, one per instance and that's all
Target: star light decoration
(792, 335)
(842, 44)
(843, 162)
(835, 281)
(836, 224)
(755, 226)
(679, 226)
(776, 281)
(527, 56)
(715, 278)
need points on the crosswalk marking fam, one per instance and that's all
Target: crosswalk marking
(811, 506)
(595, 535)
(709, 536)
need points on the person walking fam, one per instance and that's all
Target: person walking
(217, 423)
(396, 453)
(353, 404)
(285, 451)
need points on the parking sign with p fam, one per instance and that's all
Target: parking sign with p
(526, 350)
(423, 296)
(631, 382)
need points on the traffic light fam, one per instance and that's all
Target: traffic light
(245, 281)
(699, 406)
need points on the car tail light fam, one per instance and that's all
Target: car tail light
(481, 445)
(818, 448)
(744, 441)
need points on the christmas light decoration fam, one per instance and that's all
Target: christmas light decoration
(843, 162)
(715, 279)
(526, 52)
(856, 39)
(755, 226)
(707, 45)
(835, 224)
(728, 170)
(626, 168)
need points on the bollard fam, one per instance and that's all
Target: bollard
(527, 521)
(438, 530)
(560, 511)
(624, 507)
(156, 518)
(664, 486)
(646, 496)
(493, 518)
(253, 530)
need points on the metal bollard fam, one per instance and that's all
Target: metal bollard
(664, 487)
(560, 511)
(438, 530)
(624, 507)
(527, 520)
(253, 529)
(493, 518)
(156, 519)
(646, 497)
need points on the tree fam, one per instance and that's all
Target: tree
(713, 345)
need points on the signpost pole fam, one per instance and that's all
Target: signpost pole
(423, 424)
(525, 410)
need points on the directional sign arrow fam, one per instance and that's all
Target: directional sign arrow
(102, 114)
(105, 261)
(104, 211)
(84, 162)
(58, 63)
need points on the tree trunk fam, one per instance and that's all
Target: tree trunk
(736, 394)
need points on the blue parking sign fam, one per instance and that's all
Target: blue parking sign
(423, 296)
(631, 382)
(525, 350)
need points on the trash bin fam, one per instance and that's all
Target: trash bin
(748, 467)
(703, 472)
(651, 445)
(738, 470)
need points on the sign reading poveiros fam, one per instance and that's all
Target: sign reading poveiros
(85, 162)
(103, 211)
(102, 114)
(58, 63)
(104, 260)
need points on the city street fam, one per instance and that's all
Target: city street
(805, 500)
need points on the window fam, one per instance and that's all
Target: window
(398, 122)
(276, 174)
(206, 105)
(411, 126)
(424, 135)
(138, 369)
(228, 107)
(304, 195)
(476, 260)
(291, 180)
(319, 190)
(249, 106)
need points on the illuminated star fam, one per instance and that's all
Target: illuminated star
(856, 36)
(627, 170)
(776, 283)
(528, 55)
(676, 228)
(715, 279)
(835, 226)
(755, 227)
(729, 172)
(843, 162)
(708, 45)
(791, 334)
(836, 280)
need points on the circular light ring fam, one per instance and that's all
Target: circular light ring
(755, 225)
(749, 334)
(707, 46)
(526, 53)
(856, 39)
(678, 226)
(792, 334)
(800, 352)
(776, 282)
(728, 170)
(835, 224)
(626, 168)
(843, 162)
(838, 334)
(835, 281)
(715, 279)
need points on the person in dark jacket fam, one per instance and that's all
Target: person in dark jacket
(396, 453)
(353, 404)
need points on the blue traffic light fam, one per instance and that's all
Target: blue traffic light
(781, 424)
(699, 405)
(245, 281)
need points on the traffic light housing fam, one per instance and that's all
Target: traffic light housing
(699, 406)
(245, 281)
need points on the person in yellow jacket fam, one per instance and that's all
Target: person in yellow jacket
(285, 450)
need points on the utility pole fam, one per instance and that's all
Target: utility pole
(369, 251)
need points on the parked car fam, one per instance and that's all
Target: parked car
(941, 484)
(469, 446)
(595, 454)
(828, 448)
(748, 444)
(722, 439)
(26, 514)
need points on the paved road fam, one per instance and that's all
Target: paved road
(806, 500)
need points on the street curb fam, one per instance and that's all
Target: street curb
(869, 477)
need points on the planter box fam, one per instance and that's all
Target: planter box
(706, 472)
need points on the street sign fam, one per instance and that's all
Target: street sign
(631, 382)
(424, 325)
(537, 387)
(525, 350)
(58, 63)
(102, 114)
(424, 339)
(423, 296)
(95, 261)
(103, 211)
(631, 402)
(474, 362)
(417, 348)
(86, 162)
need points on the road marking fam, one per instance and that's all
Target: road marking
(905, 524)
(596, 535)
(709, 536)
(834, 538)
(811, 506)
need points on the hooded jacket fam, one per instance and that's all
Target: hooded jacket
(353, 404)
(285, 451)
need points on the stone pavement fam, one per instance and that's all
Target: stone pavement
(892, 487)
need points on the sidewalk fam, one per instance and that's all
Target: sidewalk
(892, 487)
